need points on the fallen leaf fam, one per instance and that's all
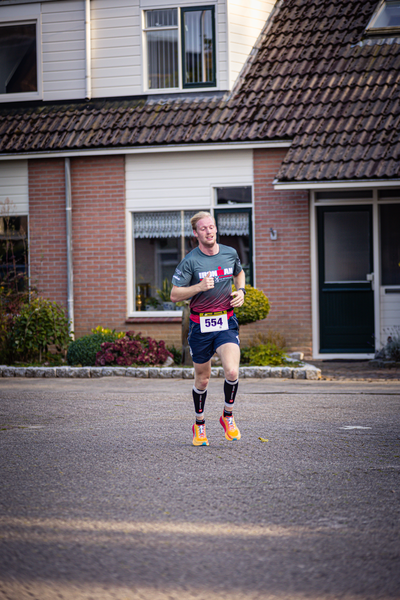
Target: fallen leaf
(263, 439)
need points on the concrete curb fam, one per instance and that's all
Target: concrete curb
(304, 371)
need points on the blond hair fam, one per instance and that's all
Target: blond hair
(200, 215)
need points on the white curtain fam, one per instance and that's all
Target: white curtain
(170, 225)
(233, 223)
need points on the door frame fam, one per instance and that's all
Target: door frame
(314, 203)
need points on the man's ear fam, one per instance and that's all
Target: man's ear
(195, 233)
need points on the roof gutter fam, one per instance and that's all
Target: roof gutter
(88, 68)
(338, 185)
(147, 150)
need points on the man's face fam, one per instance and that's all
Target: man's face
(206, 232)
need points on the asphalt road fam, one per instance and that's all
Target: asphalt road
(103, 496)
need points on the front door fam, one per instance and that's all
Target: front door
(346, 297)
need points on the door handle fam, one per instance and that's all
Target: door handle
(371, 278)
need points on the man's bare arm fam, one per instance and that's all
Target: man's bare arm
(237, 298)
(178, 294)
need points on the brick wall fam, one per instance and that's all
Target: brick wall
(47, 228)
(99, 244)
(282, 266)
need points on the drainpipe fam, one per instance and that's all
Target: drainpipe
(88, 71)
(70, 273)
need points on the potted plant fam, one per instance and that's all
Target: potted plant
(165, 295)
(151, 303)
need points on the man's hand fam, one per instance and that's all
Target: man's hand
(207, 283)
(237, 299)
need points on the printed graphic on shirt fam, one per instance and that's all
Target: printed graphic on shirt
(222, 267)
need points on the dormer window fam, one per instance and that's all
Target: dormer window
(386, 19)
(180, 48)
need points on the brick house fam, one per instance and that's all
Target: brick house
(117, 124)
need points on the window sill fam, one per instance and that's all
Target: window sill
(155, 316)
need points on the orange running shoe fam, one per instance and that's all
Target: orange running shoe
(199, 435)
(231, 430)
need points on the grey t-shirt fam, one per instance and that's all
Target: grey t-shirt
(222, 266)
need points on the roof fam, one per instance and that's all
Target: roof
(312, 78)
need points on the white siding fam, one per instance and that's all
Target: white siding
(63, 47)
(116, 48)
(183, 180)
(246, 19)
(390, 314)
(14, 197)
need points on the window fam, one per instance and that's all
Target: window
(161, 241)
(18, 64)
(180, 46)
(13, 250)
(386, 19)
(390, 244)
(234, 225)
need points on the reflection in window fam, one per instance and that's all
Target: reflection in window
(161, 241)
(234, 229)
(13, 250)
(390, 243)
(347, 246)
(234, 195)
(18, 70)
(198, 51)
(387, 17)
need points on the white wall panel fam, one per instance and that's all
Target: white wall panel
(116, 34)
(63, 45)
(14, 195)
(179, 180)
(390, 314)
(246, 19)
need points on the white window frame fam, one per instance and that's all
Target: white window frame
(27, 20)
(145, 29)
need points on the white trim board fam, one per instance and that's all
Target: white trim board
(146, 150)
(337, 185)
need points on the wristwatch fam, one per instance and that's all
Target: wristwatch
(243, 290)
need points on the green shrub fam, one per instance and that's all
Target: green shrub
(255, 308)
(263, 355)
(176, 354)
(83, 351)
(40, 323)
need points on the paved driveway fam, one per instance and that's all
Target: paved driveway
(104, 497)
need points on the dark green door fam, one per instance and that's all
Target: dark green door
(346, 298)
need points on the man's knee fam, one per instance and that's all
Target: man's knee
(231, 373)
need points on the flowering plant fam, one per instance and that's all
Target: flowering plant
(132, 350)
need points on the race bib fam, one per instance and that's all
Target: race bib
(213, 322)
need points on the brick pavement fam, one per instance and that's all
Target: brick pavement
(355, 370)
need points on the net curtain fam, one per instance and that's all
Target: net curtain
(172, 225)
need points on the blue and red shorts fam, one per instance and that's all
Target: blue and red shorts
(204, 345)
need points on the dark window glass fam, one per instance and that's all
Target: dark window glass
(13, 248)
(198, 47)
(349, 195)
(234, 195)
(393, 193)
(18, 70)
(390, 243)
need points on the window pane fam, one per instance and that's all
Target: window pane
(13, 247)
(162, 59)
(390, 243)
(234, 195)
(162, 18)
(347, 246)
(234, 231)
(199, 46)
(389, 15)
(18, 72)
(161, 240)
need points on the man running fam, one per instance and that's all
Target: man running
(205, 276)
